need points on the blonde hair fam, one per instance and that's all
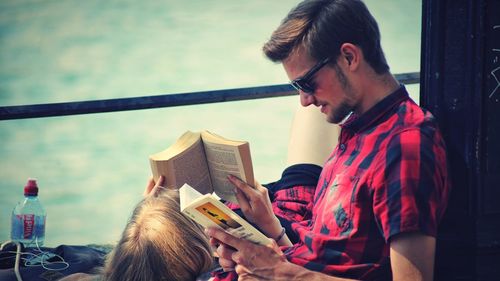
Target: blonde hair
(159, 243)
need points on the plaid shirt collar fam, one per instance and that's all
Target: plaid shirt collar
(375, 115)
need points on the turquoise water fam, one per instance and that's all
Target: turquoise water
(92, 168)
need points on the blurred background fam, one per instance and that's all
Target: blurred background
(92, 169)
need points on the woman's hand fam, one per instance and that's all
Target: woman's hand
(152, 188)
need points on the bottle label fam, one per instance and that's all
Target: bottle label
(28, 225)
(28, 229)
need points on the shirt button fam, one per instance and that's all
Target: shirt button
(342, 146)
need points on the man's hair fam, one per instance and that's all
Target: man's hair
(322, 26)
(159, 243)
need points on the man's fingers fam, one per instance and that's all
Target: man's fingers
(214, 242)
(244, 273)
(227, 265)
(226, 238)
(225, 252)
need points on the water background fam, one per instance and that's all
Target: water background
(92, 168)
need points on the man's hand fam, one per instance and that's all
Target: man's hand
(250, 261)
(225, 255)
(257, 262)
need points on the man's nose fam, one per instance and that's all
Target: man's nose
(306, 99)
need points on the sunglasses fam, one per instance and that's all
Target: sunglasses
(304, 83)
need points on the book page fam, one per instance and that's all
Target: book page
(210, 212)
(183, 162)
(226, 157)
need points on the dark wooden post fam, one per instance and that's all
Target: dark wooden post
(460, 84)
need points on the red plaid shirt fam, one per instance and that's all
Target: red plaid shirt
(388, 175)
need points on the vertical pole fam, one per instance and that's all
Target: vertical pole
(459, 86)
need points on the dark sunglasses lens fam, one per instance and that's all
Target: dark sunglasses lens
(308, 88)
(305, 87)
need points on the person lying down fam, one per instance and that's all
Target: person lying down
(160, 243)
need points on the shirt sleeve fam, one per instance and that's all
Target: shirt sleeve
(292, 195)
(410, 185)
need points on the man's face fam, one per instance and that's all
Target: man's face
(333, 92)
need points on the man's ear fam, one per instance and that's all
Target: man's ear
(348, 57)
(350, 53)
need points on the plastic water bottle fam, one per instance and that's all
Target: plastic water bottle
(28, 218)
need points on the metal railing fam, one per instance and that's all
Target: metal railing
(157, 101)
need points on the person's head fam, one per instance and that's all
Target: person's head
(337, 36)
(159, 243)
(322, 26)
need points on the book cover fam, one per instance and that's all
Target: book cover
(208, 211)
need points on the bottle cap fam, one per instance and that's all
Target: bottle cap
(31, 188)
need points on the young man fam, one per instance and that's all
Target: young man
(384, 188)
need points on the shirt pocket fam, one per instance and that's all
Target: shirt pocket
(340, 200)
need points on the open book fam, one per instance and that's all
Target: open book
(204, 160)
(208, 211)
